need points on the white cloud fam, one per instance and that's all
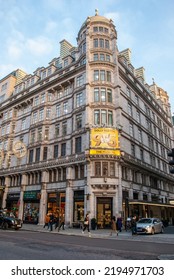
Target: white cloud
(51, 26)
(39, 46)
(6, 68)
(122, 23)
(14, 51)
(114, 16)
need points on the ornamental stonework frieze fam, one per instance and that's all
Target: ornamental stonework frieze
(103, 187)
(102, 83)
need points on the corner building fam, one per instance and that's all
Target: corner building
(87, 134)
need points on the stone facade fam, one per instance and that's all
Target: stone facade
(55, 112)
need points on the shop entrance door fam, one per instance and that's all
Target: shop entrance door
(104, 212)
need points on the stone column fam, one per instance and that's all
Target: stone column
(69, 204)
(92, 205)
(131, 193)
(43, 204)
(43, 199)
(140, 195)
(149, 197)
(4, 197)
(21, 202)
(119, 190)
(7, 184)
(21, 199)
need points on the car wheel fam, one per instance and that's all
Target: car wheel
(5, 225)
(152, 231)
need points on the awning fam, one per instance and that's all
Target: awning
(151, 204)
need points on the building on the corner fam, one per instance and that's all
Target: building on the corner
(87, 134)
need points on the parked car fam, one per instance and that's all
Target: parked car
(8, 220)
(150, 225)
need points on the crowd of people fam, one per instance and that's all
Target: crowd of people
(58, 221)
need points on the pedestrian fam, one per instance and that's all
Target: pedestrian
(134, 225)
(128, 224)
(119, 224)
(113, 226)
(51, 222)
(61, 222)
(56, 221)
(47, 220)
(86, 225)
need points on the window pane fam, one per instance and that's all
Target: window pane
(64, 128)
(103, 117)
(58, 112)
(109, 92)
(112, 169)
(55, 151)
(57, 129)
(96, 95)
(95, 43)
(105, 168)
(106, 44)
(97, 168)
(63, 149)
(96, 75)
(79, 121)
(95, 56)
(65, 107)
(45, 150)
(78, 145)
(39, 134)
(102, 75)
(102, 57)
(103, 95)
(101, 43)
(79, 99)
(108, 78)
(110, 118)
(96, 117)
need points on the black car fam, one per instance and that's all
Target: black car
(8, 220)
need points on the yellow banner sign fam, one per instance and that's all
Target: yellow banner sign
(104, 138)
(105, 152)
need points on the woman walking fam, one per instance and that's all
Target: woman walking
(47, 220)
(86, 225)
(61, 222)
(113, 226)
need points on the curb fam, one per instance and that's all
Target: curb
(166, 257)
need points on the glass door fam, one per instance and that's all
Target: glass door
(104, 212)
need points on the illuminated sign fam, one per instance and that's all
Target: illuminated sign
(104, 141)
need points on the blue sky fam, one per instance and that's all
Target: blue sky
(31, 31)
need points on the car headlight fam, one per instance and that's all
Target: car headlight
(149, 226)
(13, 221)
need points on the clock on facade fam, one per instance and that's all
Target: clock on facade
(19, 149)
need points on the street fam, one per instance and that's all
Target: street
(30, 245)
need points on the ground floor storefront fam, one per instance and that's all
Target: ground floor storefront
(144, 209)
(31, 205)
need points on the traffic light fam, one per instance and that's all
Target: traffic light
(171, 162)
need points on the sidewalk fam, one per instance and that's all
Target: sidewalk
(105, 234)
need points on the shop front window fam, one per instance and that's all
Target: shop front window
(31, 212)
(31, 206)
(78, 206)
(56, 203)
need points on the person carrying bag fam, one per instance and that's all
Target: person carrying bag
(86, 225)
